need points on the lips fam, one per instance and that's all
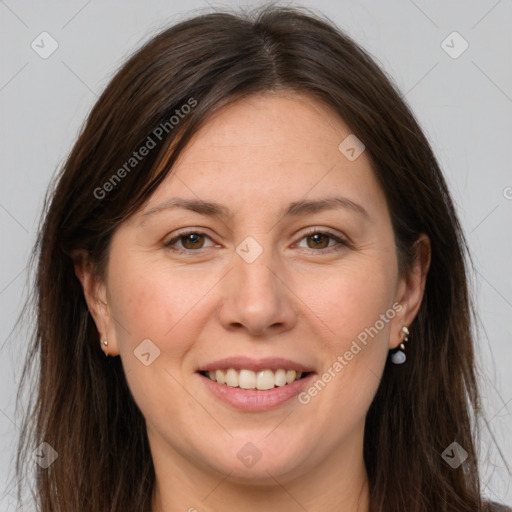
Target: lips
(255, 365)
(256, 400)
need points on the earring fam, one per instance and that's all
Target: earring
(399, 357)
(105, 342)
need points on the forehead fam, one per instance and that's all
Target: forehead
(266, 150)
(271, 125)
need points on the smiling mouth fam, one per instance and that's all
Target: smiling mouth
(261, 380)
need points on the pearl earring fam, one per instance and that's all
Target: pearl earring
(398, 356)
(105, 342)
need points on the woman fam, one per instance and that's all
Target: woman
(253, 229)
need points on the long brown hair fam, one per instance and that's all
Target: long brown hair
(83, 407)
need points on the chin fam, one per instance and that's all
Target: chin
(260, 462)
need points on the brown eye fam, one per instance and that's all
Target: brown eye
(318, 240)
(323, 242)
(192, 240)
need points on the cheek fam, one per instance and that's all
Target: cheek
(154, 302)
(170, 307)
(163, 306)
(352, 299)
(356, 308)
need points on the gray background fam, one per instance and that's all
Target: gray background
(464, 104)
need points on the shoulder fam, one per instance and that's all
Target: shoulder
(496, 507)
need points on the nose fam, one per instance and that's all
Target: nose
(256, 298)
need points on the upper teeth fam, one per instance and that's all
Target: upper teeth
(247, 379)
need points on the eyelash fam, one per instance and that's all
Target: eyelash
(341, 242)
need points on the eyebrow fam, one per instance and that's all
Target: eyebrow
(302, 207)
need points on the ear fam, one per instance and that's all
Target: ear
(95, 294)
(410, 289)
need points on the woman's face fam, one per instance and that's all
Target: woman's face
(244, 285)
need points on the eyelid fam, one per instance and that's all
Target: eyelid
(186, 231)
(342, 241)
